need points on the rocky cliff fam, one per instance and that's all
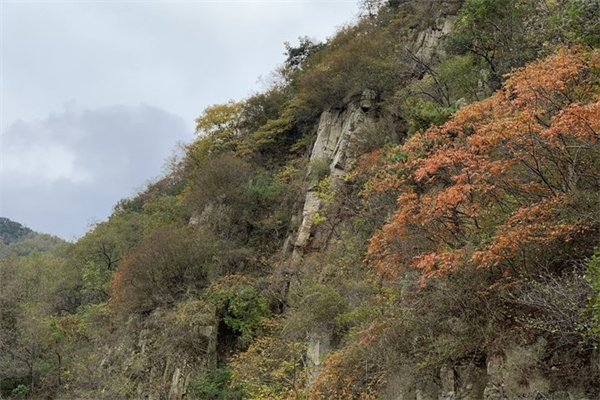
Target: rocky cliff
(336, 130)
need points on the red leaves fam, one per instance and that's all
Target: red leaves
(497, 179)
(578, 120)
(437, 263)
(535, 223)
(547, 81)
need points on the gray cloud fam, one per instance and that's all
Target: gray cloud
(61, 172)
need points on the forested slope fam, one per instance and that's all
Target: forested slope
(409, 212)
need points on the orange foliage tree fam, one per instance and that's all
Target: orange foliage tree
(502, 182)
(349, 373)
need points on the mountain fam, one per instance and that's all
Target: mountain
(409, 212)
(17, 239)
(11, 231)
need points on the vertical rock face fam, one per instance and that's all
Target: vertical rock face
(434, 21)
(510, 372)
(513, 372)
(174, 346)
(336, 130)
(464, 382)
(428, 40)
(331, 155)
(318, 346)
(205, 340)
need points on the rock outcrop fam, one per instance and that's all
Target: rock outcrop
(336, 130)
(509, 372)
(439, 17)
(174, 346)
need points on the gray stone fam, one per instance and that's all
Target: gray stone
(335, 131)
(513, 372)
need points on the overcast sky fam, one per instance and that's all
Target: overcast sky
(96, 94)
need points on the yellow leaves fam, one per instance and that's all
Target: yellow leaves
(271, 369)
(219, 118)
(218, 130)
(325, 191)
(274, 130)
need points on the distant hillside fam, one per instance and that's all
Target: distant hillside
(17, 239)
(11, 231)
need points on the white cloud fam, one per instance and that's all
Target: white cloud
(37, 162)
(180, 56)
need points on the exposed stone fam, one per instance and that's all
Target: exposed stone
(399, 387)
(471, 382)
(448, 381)
(428, 390)
(169, 378)
(513, 372)
(335, 131)
(177, 385)
(317, 347)
(194, 219)
(428, 41)
(367, 99)
(312, 203)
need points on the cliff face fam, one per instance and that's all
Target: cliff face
(426, 41)
(167, 352)
(481, 280)
(336, 130)
(510, 372)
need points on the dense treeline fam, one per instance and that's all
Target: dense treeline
(468, 223)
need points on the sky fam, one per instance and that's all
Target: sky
(95, 95)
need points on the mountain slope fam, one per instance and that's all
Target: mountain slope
(396, 218)
(11, 231)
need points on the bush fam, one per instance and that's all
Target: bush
(358, 58)
(20, 391)
(242, 308)
(271, 368)
(171, 264)
(214, 385)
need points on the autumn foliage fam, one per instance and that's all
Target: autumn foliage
(502, 182)
(348, 374)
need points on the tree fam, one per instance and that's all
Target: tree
(296, 56)
(11, 231)
(504, 181)
(218, 127)
(164, 268)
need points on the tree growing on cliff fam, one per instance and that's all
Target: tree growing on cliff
(219, 129)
